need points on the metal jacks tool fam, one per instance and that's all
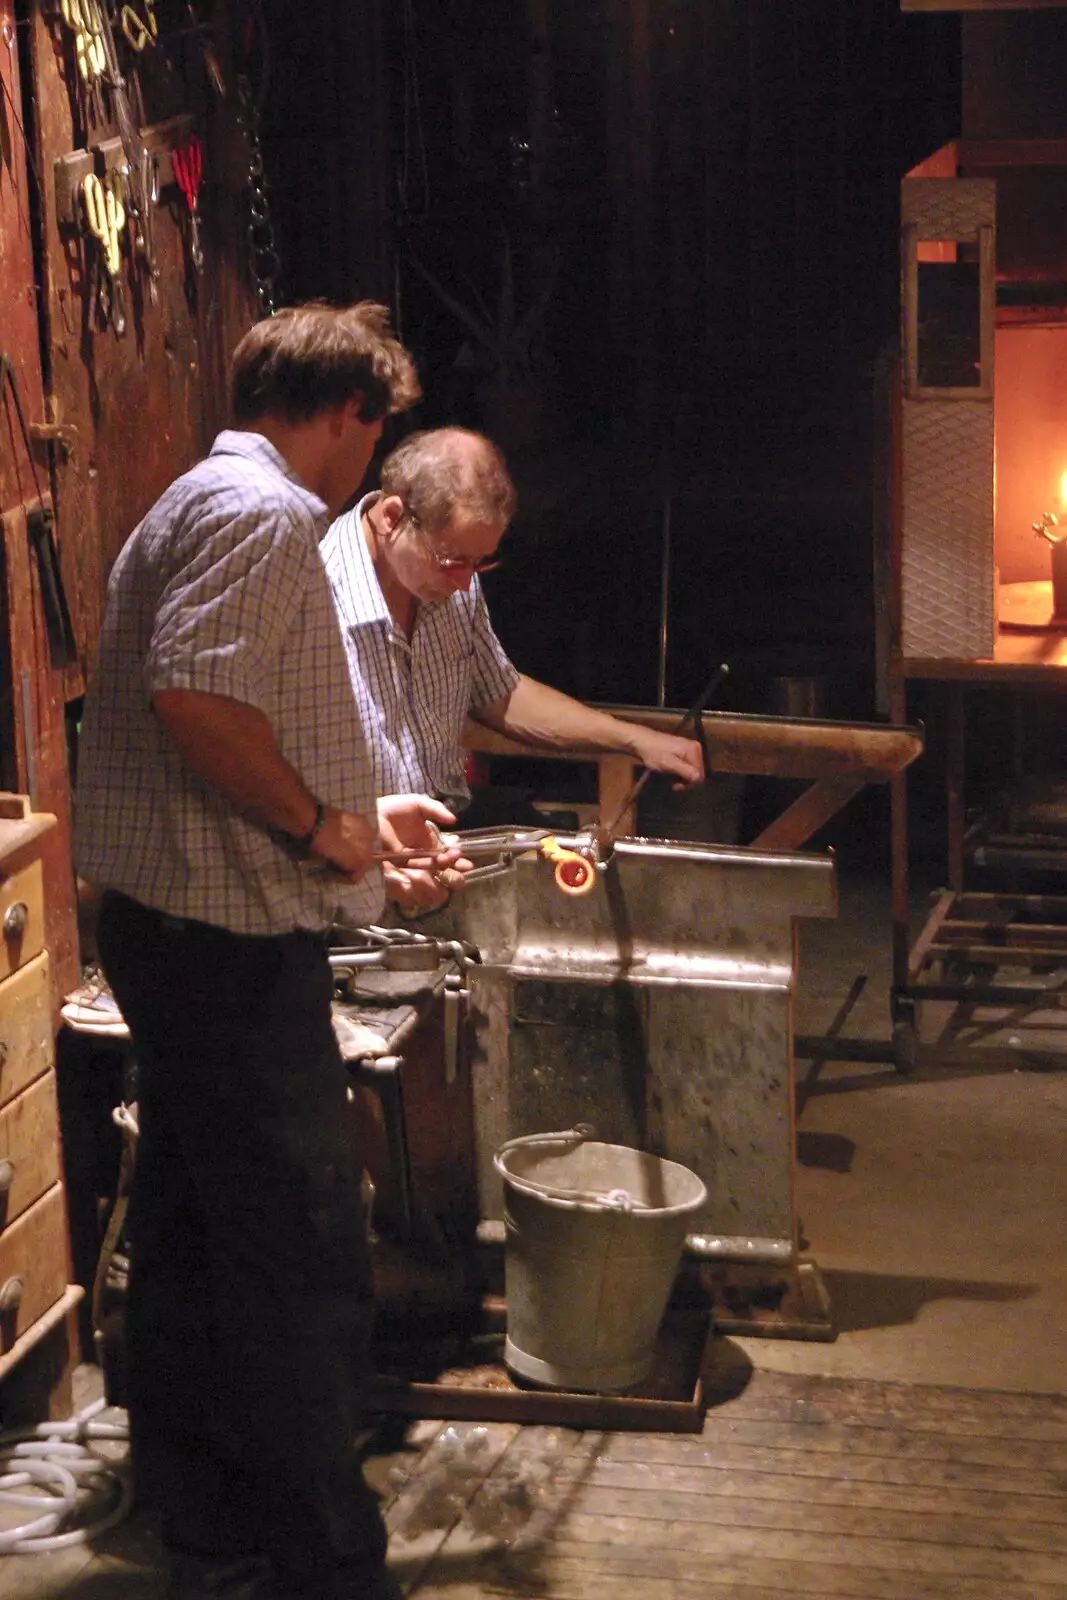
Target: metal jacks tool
(604, 831)
(575, 862)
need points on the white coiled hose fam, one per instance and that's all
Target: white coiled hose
(53, 1472)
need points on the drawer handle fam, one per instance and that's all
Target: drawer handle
(16, 920)
(11, 1294)
(7, 1174)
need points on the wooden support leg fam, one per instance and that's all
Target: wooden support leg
(902, 1007)
(898, 815)
(615, 779)
(808, 812)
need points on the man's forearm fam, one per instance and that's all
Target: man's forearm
(544, 715)
(232, 747)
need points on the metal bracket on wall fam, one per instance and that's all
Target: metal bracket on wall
(70, 171)
(62, 434)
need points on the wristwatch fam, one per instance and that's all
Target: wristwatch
(299, 844)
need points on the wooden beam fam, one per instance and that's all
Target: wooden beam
(775, 747)
(934, 923)
(1001, 955)
(840, 756)
(808, 814)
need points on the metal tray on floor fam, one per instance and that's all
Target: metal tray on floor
(464, 1378)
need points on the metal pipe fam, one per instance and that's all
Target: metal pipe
(712, 1247)
(664, 592)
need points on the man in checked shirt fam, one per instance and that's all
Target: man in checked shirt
(228, 811)
(404, 566)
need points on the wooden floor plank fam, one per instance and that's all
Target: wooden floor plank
(841, 1520)
(518, 1498)
(799, 1489)
(901, 1443)
(560, 1575)
(716, 1481)
(966, 1422)
(448, 1474)
(714, 1540)
(1002, 1478)
(839, 1396)
(796, 1488)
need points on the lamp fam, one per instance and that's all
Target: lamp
(1049, 527)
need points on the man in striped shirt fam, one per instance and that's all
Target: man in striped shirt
(423, 657)
(227, 808)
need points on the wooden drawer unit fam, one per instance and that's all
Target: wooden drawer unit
(21, 915)
(35, 1302)
(21, 882)
(33, 1265)
(29, 1148)
(26, 1046)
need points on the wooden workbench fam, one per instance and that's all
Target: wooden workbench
(837, 758)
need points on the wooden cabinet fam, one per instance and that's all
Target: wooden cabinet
(34, 1293)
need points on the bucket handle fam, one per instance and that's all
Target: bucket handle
(616, 1200)
(576, 1135)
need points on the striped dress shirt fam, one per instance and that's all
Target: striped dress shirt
(413, 696)
(221, 589)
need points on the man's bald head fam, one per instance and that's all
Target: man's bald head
(445, 475)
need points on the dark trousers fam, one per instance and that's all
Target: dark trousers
(249, 1307)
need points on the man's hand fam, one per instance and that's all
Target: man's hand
(409, 822)
(423, 889)
(669, 752)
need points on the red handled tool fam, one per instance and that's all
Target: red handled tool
(188, 164)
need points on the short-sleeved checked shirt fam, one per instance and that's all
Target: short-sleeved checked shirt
(221, 589)
(414, 697)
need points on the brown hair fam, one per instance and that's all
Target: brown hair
(442, 471)
(308, 358)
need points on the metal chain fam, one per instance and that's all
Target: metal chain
(263, 254)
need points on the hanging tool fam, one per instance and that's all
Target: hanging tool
(81, 18)
(62, 645)
(140, 31)
(105, 216)
(604, 831)
(188, 164)
(129, 129)
(211, 60)
(145, 238)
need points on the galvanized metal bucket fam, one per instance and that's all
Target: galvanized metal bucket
(594, 1235)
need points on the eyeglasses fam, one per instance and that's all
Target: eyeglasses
(446, 563)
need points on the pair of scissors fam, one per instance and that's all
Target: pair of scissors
(105, 216)
(188, 164)
(140, 31)
(89, 50)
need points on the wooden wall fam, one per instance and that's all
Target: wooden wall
(115, 416)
